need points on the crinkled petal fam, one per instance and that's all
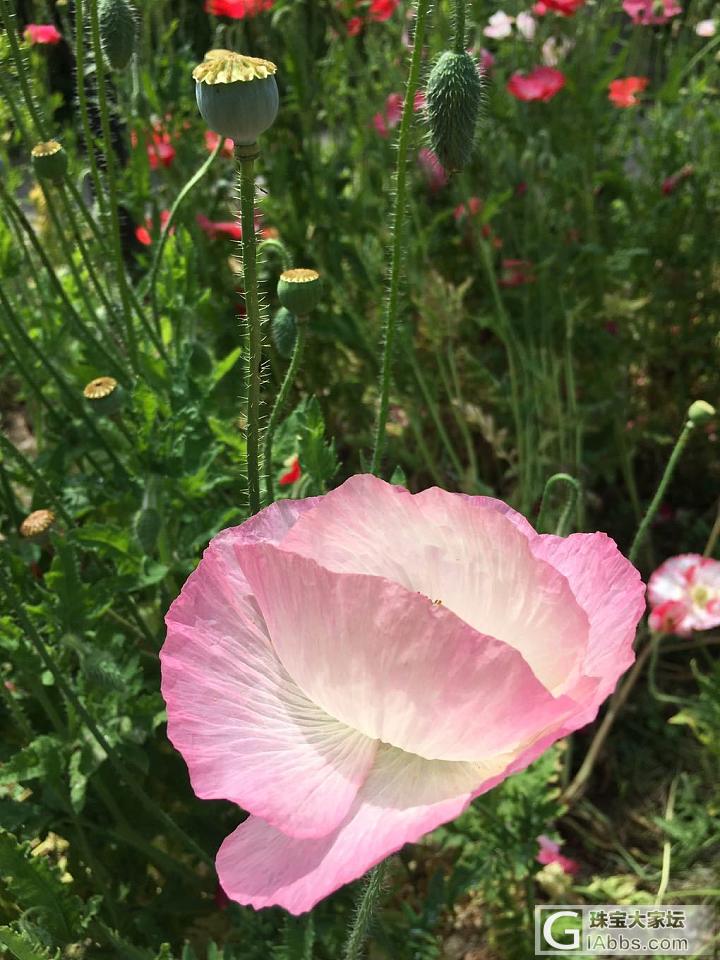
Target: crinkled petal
(403, 798)
(246, 730)
(392, 664)
(610, 590)
(466, 552)
(671, 579)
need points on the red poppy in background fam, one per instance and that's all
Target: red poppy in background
(623, 92)
(293, 472)
(670, 184)
(434, 172)
(651, 12)
(565, 8)
(354, 26)
(212, 139)
(516, 273)
(160, 151)
(42, 33)
(473, 206)
(237, 9)
(541, 84)
(144, 234)
(381, 10)
(216, 228)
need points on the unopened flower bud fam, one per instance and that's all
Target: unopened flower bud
(701, 412)
(118, 31)
(148, 522)
(105, 396)
(284, 332)
(236, 95)
(49, 160)
(453, 98)
(299, 290)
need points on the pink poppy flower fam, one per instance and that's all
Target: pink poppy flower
(684, 594)
(550, 853)
(433, 170)
(499, 26)
(464, 210)
(237, 9)
(387, 121)
(516, 273)
(543, 83)
(42, 33)
(212, 139)
(353, 669)
(565, 8)
(382, 10)
(651, 12)
(623, 92)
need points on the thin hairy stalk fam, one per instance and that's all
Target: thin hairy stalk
(655, 692)
(459, 25)
(398, 222)
(656, 501)
(667, 846)
(88, 135)
(83, 329)
(571, 500)
(111, 179)
(20, 66)
(713, 537)
(273, 245)
(246, 161)
(278, 407)
(165, 232)
(365, 912)
(42, 650)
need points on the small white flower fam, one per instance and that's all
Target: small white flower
(526, 24)
(499, 26)
(706, 28)
(553, 51)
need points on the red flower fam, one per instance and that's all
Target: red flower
(293, 472)
(237, 9)
(212, 139)
(670, 183)
(541, 84)
(42, 33)
(516, 273)
(651, 12)
(565, 8)
(354, 26)
(383, 9)
(550, 853)
(622, 92)
(217, 228)
(160, 151)
(462, 210)
(144, 235)
(385, 122)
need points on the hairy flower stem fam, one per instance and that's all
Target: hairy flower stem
(246, 156)
(459, 25)
(660, 492)
(111, 178)
(398, 223)
(367, 904)
(20, 66)
(83, 107)
(571, 500)
(279, 405)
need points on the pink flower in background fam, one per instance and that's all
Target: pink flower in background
(486, 61)
(516, 273)
(671, 183)
(526, 25)
(706, 28)
(237, 9)
(499, 26)
(550, 853)
(684, 594)
(42, 33)
(217, 228)
(564, 8)
(432, 169)
(464, 210)
(651, 12)
(387, 121)
(353, 669)
(212, 139)
(354, 26)
(623, 92)
(543, 83)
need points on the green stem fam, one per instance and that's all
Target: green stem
(165, 232)
(570, 502)
(83, 106)
(667, 846)
(279, 405)
(655, 692)
(398, 222)
(111, 178)
(246, 158)
(367, 904)
(434, 412)
(459, 26)
(7, 447)
(660, 492)
(21, 69)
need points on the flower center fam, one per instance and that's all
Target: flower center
(700, 596)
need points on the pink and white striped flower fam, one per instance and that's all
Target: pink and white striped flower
(354, 669)
(684, 594)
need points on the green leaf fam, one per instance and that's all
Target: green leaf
(224, 366)
(20, 947)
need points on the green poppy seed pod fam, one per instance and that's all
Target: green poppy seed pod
(105, 396)
(148, 522)
(118, 31)
(283, 331)
(49, 160)
(453, 98)
(299, 290)
(236, 95)
(701, 412)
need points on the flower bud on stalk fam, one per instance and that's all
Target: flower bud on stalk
(283, 331)
(105, 395)
(700, 413)
(118, 31)
(236, 95)
(299, 290)
(49, 161)
(453, 97)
